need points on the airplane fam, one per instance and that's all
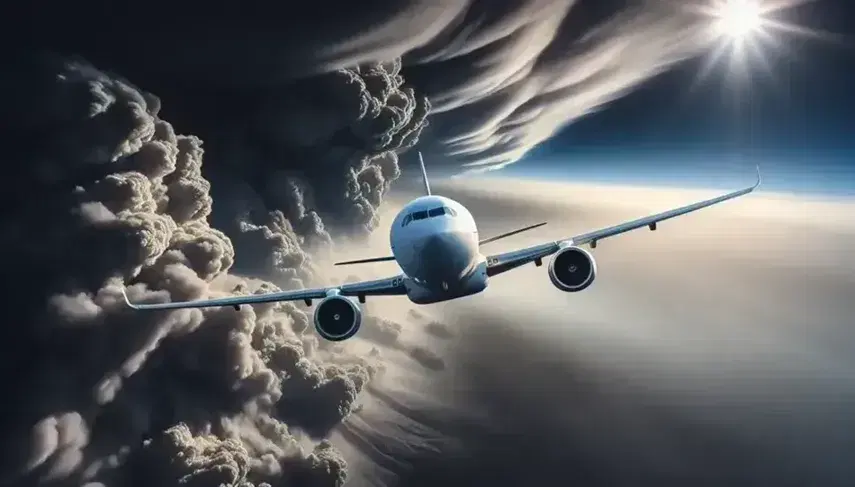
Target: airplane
(435, 242)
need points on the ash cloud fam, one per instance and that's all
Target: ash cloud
(114, 196)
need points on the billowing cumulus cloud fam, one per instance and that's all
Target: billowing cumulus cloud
(115, 197)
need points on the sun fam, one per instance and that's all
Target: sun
(741, 22)
(738, 19)
(745, 33)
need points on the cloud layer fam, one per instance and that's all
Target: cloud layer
(715, 351)
(105, 194)
(502, 75)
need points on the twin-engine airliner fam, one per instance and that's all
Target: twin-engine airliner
(435, 242)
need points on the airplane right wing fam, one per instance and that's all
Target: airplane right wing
(499, 263)
(393, 286)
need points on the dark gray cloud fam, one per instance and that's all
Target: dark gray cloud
(106, 194)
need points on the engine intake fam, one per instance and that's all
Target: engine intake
(572, 269)
(337, 318)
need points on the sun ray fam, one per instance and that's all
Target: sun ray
(719, 51)
(771, 6)
(757, 52)
(810, 33)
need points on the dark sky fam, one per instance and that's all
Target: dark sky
(795, 114)
(173, 150)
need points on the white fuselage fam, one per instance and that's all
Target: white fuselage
(435, 242)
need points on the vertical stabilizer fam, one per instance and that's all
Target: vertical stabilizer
(424, 174)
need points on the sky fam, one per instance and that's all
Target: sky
(792, 116)
(190, 152)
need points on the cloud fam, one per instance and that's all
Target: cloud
(105, 193)
(502, 75)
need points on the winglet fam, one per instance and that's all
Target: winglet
(759, 179)
(128, 301)
(424, 174)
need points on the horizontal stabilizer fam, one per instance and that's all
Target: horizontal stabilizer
(482, 242)
(521, 230)
(366, 261)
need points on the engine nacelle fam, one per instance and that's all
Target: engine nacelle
(337, 318)
(572, 269)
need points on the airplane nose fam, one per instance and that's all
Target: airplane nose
(446, 256)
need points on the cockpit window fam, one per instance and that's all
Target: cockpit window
(433, 212)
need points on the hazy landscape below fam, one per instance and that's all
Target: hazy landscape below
(715, 351)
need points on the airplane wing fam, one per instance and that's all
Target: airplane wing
(499, 263)
(393, 286)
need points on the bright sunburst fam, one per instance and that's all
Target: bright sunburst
(738, 19)
(745, 31)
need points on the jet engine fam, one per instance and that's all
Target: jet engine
(572, 269)
(337, 318)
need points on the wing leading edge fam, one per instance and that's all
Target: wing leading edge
(499, 263)
(393, 286)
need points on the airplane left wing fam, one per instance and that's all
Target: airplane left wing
(393, 286)
(499, 263)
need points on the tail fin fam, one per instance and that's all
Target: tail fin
(424, 174)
